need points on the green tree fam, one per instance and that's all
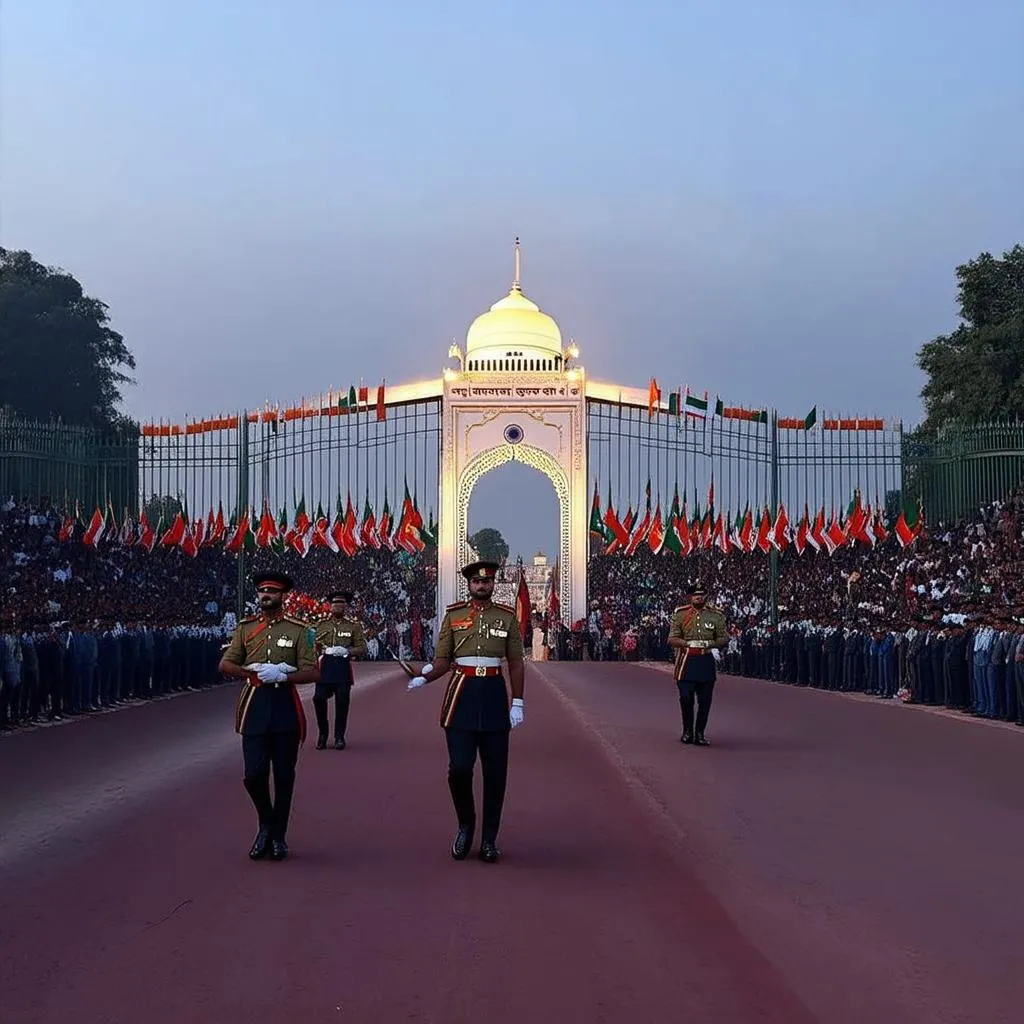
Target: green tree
(976, 374)
(163, 508)
(59, 359)
(489, 544)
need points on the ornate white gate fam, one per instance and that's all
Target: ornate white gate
(515, 396)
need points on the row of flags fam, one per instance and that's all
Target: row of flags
(692, 406)
(342, 403)
(345, 533)
(678, 532)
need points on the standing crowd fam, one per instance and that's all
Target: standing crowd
(940, 622)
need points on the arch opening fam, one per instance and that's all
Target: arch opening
(519, 502)
(539, 460)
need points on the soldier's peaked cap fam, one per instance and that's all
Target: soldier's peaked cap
(340, 595)
(486, 570)
(279, 579)
(696, 588)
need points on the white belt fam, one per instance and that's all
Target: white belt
(479, 661)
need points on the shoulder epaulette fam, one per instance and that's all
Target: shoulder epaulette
(681, 608)
(294, 621)
(504, 607)
(456, 604)
(249, 618)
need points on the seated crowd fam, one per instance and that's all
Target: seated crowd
(938, 622)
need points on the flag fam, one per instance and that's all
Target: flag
(653, 397)
(554, 603)
(523, 605)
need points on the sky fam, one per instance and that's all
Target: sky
(767, 201)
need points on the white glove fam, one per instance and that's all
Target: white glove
(716, 654)
(271, 674)
(285, 668)
(515, 715)
(415, 682)
(427, 669)
(337, 651)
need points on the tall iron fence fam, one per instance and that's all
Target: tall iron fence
(309, 458)
(61, 465)
(330, 459)
(735, 460)
(962, 469)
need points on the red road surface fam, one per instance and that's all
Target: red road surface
(827, 859)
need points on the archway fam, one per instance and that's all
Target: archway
(539, 460)
(521, 503)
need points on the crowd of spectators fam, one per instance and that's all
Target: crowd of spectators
(126, 624)
(939, 622)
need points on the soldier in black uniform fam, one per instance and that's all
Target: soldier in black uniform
(695, 632)
(273, 654)
(475, 714)
(339, 639)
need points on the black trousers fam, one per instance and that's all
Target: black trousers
(463, 746)
(701, 693)
(342, 694)
(277, 751)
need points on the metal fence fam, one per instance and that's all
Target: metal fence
(310, 457)
(962, 469)
(331, 458)
(59, 465)
(738, 459)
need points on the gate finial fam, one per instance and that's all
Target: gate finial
(516, 286)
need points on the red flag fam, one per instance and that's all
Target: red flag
(523, 604)
(554, 604)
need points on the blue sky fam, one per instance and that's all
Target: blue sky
(764, 200)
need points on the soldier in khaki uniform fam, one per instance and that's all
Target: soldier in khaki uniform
(475, 636)
(273, 654)
(339, 639)
(697, 629)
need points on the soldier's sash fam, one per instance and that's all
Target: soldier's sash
(682, 655)
(451, 696)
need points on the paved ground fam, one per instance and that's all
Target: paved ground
(826, 859)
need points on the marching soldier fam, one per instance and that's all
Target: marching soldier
(339, 639)
(273, 654)
(697, 629)
(475, 714)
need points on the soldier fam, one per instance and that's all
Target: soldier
(339, 639)
(273, 654)
(474, 637)
(697, 629)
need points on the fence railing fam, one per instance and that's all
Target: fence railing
(61, 465)
(962, 469)
(761, 462)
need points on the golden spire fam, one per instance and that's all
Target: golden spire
(516, 285)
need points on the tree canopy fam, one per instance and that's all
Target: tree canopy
(59, 359)
(976, 374)
(489, 544)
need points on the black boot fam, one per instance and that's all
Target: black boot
(687, 736)
(321, 741)
(701, 741)
(489, 852)
(462, 842)
(260, 844)
(278, 849)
